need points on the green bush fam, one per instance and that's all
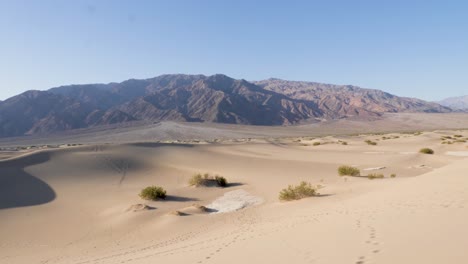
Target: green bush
(370, 142)
(348, 171)
(221, 181)
(426, 151)
(153, 193)
(303, 190)
(375, 176)
(198, 180)
(393, 175)
(316, 143)
(206, 180)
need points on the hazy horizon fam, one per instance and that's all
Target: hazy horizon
(412, 49)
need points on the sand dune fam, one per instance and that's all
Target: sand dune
(81, 204)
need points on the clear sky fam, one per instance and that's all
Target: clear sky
(409, 48)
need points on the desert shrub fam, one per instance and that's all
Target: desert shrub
(370, 142)
(316, 143)
(393, 175)
(418, 133)
(375, 176)
(344, 143)
(221, 181)
(304, 189)
(198, 180)
(348, 171)
(153, 193)
(458, 136)
(426, 151)
(460, 140)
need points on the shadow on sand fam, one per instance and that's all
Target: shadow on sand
(173, 198)
(234, 184)
(18, 188)
(155, 145)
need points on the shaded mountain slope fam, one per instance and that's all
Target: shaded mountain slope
(198, 98)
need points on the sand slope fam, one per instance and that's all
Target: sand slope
(80, 205)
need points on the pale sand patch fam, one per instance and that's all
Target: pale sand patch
(234, 201)
(422, 166)
(374, 152)
(139, 208)
(375, 168)
(457, 153)
(408, 152)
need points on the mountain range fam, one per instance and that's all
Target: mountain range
(196, 98)
(459, 103)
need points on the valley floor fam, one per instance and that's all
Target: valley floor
(74, 204)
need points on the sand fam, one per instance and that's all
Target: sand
(183, 131)
(81, 205)
(233, 201)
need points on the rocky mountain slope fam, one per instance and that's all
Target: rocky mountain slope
(338, 101)
(198, 98)
(457, 103)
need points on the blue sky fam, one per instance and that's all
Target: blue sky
(409, 48)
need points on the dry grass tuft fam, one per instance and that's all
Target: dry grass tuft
(303, 190)
(348, 171)
(207, 180)
(153, 193)
(373, 176)
(427, 151)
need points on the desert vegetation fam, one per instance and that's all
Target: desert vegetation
(393, 175)
(348, 171)
(207, 180)
(370, 142)
(303, 190)
(153, 193)
(426, 151)
(390, 137)
(375, 176)
(453, 139)
(342, 142)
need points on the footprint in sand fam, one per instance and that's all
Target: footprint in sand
(361, 260)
